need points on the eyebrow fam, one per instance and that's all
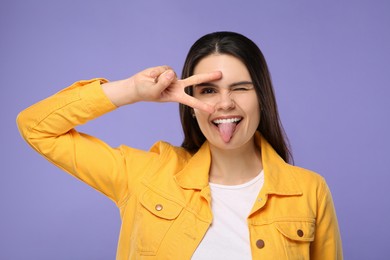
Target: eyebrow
(209, 84)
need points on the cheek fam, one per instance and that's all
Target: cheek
(248, 103)
(252, 109)
(257, 113)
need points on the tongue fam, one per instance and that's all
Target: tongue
(226, 130)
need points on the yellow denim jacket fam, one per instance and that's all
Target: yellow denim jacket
(163, 194)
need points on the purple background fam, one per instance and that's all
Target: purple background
(330, 66)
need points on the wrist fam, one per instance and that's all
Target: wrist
(121, 92)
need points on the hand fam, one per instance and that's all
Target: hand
(160, 84)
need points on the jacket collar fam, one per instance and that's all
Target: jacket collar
(278, 176)
(195, 175)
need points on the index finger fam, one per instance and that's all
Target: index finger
(196, 103)
(202, 78)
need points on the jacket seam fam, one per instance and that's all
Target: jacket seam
(283, 219)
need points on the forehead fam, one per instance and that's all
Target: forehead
(232, 68)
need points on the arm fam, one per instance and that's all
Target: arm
(48, 126)
(327, 241)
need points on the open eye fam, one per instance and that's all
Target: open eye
(207, 91)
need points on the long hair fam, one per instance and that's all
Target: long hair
(247, 52)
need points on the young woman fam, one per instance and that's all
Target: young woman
(227, 193)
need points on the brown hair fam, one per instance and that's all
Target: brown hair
(248, 52)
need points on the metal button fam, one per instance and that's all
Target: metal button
(300, 233)
(158, 207)
(260, 243)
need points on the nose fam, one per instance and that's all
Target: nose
(225, 101)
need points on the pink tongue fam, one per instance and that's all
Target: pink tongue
(226, 130)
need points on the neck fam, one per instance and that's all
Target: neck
(233, 167)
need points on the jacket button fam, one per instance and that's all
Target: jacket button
(260, 243)
(158, 207)
(300, 233)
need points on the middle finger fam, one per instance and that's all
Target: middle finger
(202, 78)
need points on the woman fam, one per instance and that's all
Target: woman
(227, 193)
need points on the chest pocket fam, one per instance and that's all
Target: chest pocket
(297, 235)
(155, 217)
(299, 231)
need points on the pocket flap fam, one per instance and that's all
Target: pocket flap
(299, 230)
(160, 206)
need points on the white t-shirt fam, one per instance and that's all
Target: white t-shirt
(228, 235)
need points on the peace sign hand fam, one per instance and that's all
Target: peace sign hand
(159, 84)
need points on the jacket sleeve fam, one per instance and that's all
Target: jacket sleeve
(49, 128)
(327, 241)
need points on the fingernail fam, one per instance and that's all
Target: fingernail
(169, 74)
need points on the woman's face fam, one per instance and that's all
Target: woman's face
(237, 115)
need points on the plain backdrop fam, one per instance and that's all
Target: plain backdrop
(330, 67)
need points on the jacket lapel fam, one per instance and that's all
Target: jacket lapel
(278, 176)
(195, 175)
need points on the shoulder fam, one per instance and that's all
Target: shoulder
(171, 158)
(304, 174)
(160, 149)
(309, 181)
(161, 157)
(164, 148)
